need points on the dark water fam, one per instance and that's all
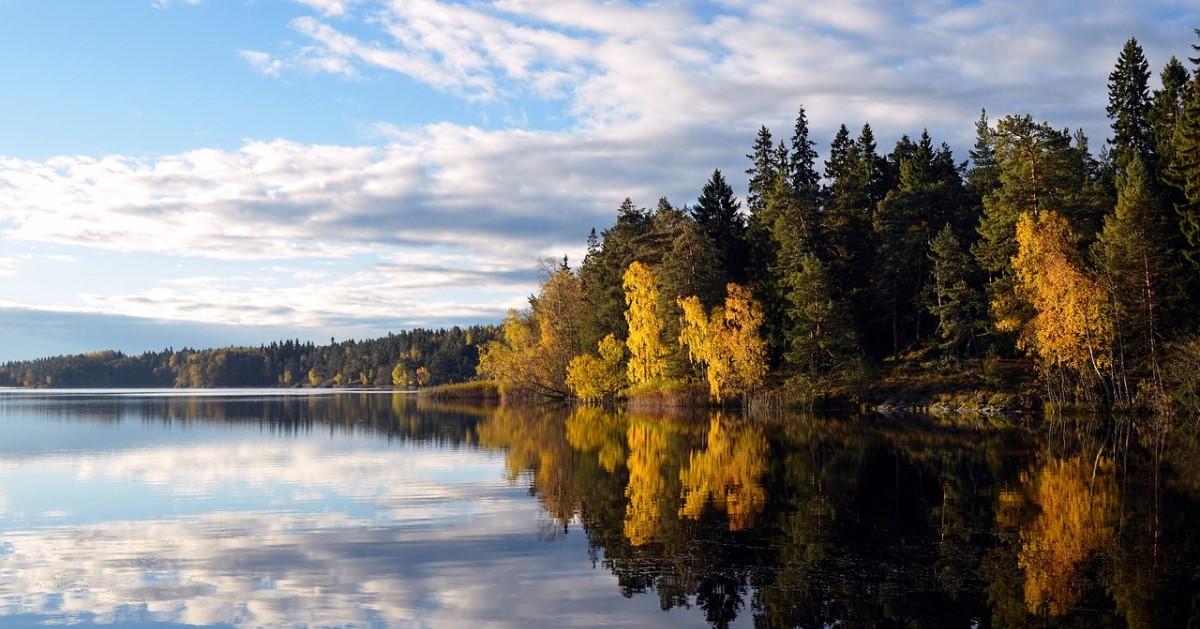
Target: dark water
(362, 509)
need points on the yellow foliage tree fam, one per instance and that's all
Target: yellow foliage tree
(1076, 520)
(537, 346)
(1071, 329)
(593, 377)
(647, 487)
(728, 474)
(399, 376)
(647, 352)
(726, 342)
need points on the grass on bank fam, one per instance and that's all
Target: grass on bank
(485, 390)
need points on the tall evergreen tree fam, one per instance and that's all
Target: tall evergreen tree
(1129, 104)
(929, 193)
(821, 339)
(803, 172)
(717, 213)
(984, 174)
(687, 270)
(603, 269)
(764, 162)
(1184, 172)
(952, 297)
(1165, 114)
(856, 179)
(838, 164)
(1167, 107)
(1134, 255)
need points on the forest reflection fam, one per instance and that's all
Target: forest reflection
(807, 520)
(810, 521)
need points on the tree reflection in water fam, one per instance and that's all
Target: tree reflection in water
(808, 521)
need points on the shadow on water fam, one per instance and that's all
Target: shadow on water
(805, 520)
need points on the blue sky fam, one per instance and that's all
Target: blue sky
(203, 172)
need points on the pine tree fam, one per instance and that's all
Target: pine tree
(603, 269)
(846, 219)
(1129, 104)
(822, 342)
(837, 166)
(687, 270)
(1132, 249)
(929, 193)
(952, 299)
(1167, 107)
(763, 170)
(1184, 172)
(717, 213)
(804, 178)
(984, 175)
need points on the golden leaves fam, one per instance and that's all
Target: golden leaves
(648, 353)
(726, 342)
(1071, 327)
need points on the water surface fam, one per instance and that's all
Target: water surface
(253, 509)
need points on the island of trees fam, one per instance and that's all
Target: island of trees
(1038, 264)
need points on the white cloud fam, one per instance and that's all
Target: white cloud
(330, 8)
(262, 62)
(654, 96)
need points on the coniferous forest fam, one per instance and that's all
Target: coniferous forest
(1043, 265)
(406, 359)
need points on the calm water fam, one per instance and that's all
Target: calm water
(367, 509)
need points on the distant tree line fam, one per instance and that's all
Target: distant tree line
(1085, 265)
(411, 358)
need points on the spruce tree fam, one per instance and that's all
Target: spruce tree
(1184, 172)
(984, 174)
(1129, 104)
(763, 170)
(717, 213)
(837, 165)
(803, 172)
(929, 193)
(1166, 108)
(1133, 253)
(856, 175)
(687, 270)
(603, 269)
(952, 297)
(822, 346)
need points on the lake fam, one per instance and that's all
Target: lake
(367, 509)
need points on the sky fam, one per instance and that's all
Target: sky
(213, 172)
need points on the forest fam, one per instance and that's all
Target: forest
(410, 358)
(1037, 256)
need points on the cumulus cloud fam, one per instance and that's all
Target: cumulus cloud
(654, 95)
